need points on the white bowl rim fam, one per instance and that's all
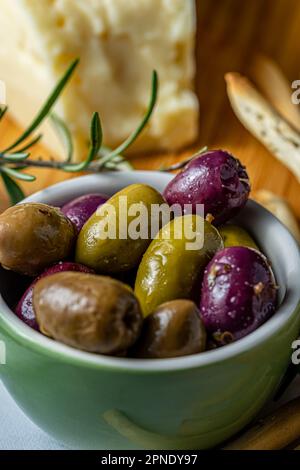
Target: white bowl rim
(37, 341)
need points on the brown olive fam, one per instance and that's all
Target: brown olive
(89, 312)
(173, 329)
(33, 236)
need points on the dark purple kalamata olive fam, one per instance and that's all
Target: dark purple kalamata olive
(238, 293)
(79, 210)
(24, 309)
(215, 179)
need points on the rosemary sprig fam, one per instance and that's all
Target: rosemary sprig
(15, 173)
(96, 141)
(15, 158)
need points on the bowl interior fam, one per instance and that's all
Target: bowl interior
(273, 238)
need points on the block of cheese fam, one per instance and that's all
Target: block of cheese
(119, 43)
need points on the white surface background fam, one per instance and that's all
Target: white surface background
(17, 432)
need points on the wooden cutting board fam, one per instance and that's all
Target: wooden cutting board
(230, 34)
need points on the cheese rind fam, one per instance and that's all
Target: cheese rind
(119, 43)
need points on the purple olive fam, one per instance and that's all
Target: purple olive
(238, 293)
(215, 179)
(24, 309)
(79, 210)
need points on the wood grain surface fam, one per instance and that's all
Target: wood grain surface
(230, 35)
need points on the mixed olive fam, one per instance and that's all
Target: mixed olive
(33, 236)
(90, 312)
(118, 252)
(174, 329)
(79, 210)
(24, 308)
(238, 292)
(184, 301)
(215, 179)
(169, 270)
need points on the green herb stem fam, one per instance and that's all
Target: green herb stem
(95, 144)
(14, 173)
(15, 158)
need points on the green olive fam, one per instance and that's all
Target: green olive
(116, 253)
(89, 312)
(173, 329)
(233, 235)
(170, 269)
(33, 236)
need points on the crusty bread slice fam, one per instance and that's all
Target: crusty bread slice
(276, 88)
(264, 122)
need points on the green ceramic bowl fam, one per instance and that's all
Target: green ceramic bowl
(96, 402)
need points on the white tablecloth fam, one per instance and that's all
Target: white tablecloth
(17, 432)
